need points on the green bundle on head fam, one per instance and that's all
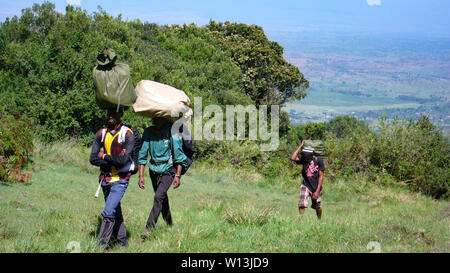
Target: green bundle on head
(113, 85)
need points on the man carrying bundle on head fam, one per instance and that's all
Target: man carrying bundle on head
(312, 173)
(168, 144)
(167, 161)
(112, 151)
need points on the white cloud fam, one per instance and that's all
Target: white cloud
(74, 2)
(373, 2)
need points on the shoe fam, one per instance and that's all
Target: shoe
(122, 244)
(145, 235)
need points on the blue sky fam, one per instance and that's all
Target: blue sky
(428, 17)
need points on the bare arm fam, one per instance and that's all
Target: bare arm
(176, 180)
(141, 182)
(294, 156)
(319, 186)
(320, 180)
(143, 157)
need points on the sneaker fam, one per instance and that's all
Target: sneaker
(122, 243)
(145, 235)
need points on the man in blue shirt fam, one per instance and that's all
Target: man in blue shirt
(166, 162)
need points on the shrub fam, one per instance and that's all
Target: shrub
(313, 130)
(350, 154)
(16, 145)
(342, 126)
(415, 153)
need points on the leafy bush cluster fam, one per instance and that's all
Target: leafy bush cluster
(16, 145)
(412, 152)
(276, 163)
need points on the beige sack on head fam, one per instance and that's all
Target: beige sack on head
(156, 99)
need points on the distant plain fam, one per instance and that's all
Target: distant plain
(386, 73)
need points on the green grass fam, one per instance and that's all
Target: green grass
(227, 210)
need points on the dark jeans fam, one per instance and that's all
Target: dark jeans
(113, 224)
(161, 184)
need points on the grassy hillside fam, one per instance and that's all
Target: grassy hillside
(216, 210)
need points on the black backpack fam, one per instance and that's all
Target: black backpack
(136, 148)
(188, 147)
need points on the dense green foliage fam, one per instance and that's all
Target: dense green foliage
(414, 153)
(46, 61)
(267, 77)
(16, 145)
(342, 126)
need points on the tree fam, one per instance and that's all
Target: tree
(342, 126)
(267, 77)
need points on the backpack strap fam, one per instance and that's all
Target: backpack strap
(103, 134)
(172, 154)
(123, 133)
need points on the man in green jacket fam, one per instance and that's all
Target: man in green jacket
(166, 162)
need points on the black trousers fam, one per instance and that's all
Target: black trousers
(161, 184)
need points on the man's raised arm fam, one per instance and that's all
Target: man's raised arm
(294, 156)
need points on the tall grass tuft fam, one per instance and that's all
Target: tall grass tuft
(68, 153)
(248, 214)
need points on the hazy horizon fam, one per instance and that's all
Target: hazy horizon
(421, 18)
